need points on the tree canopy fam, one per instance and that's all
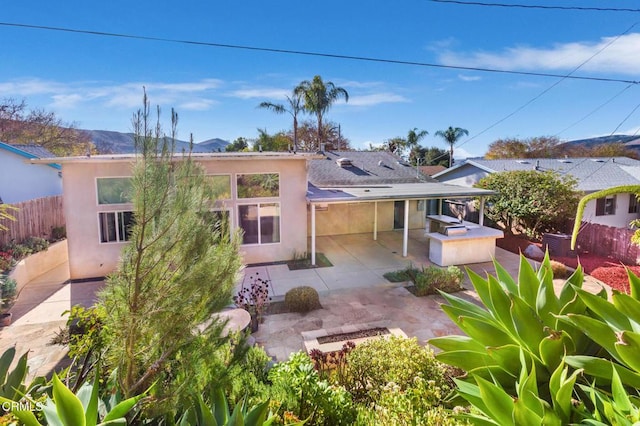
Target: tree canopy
(552, 147)
(318, 97)
(20, 125)
(530, 201)
(451, 136)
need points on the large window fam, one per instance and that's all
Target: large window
(115, 226)
(220, 186)
(259, 185)
(260, 223)
(114, 190)
(633, 203)
(606, 206)
(219, 221)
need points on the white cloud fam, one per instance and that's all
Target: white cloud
(622, 56)
(469, 77)
(461, 153)
(376, 99)
(197, 105)
(262, 93)
(30, 87)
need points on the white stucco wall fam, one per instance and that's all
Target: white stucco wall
(88, 257)
(619, 220)
(21, 181)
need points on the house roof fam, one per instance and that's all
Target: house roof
(367, 168)
(215, 156)
(31, 151)
(431, 170)
(592, 174)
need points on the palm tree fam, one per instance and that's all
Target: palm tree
(413, 137)
(294, 108)
(451, 136)
(318, 98)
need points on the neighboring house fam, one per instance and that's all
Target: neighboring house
(277, 199)
(22, 181)
(592, 174)
(431, 170)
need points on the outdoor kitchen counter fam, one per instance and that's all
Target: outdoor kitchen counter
(477, 245)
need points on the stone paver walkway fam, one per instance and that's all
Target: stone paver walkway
(353, 291)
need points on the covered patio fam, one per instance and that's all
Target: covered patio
(360, 262)
(430, 197)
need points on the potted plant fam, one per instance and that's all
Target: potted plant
(8, 291)
(254, 299)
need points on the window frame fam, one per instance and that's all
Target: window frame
(605, 209)
(237, 192)
(120, 239)
(259, 222)
(230, 176)
(634, 204)
(98, 203)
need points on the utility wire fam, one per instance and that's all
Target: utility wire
(309, 53)
(595, 110)
(625, 119)
(536, 6)
(535, 98)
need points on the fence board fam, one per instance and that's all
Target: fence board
(34, 218)
(608, 241)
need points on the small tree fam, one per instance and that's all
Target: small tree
(179, 268)
(530, 201)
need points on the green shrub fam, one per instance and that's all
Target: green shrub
(58, 233)
(18, 251)
(36, 244)
(302, 299)
(8, 291)
(300, 391)
(432, 278)
(376, 364)
(407, 274)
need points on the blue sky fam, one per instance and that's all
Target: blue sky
(97, 81)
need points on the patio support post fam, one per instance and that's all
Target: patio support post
(313, 234)
(439, 206)
(375, 220)
(481, 218)
(405, 236)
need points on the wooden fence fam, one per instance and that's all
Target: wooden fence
(608, 241)
(34, 218)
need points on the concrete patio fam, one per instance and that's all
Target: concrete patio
(353, 291)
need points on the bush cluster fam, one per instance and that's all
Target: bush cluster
(430, 279)
(302, 299)
(13, 251)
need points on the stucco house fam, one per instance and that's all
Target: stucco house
(281, 201)
(592, 174)
(21, 181)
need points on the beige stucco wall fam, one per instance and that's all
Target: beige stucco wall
(356, 218)
(89, 258)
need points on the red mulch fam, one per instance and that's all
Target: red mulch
(608, 270)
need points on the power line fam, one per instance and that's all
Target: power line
(608, 101)
(536, 6)
(310, 53)
(535, 98)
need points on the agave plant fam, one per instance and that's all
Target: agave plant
(517, 316)
(69, 409)
(615, 326)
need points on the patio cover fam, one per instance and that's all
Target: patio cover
(388, 192)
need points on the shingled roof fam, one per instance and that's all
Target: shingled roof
(592, 174)
(366, 168)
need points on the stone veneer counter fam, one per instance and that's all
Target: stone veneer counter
(476, 246)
